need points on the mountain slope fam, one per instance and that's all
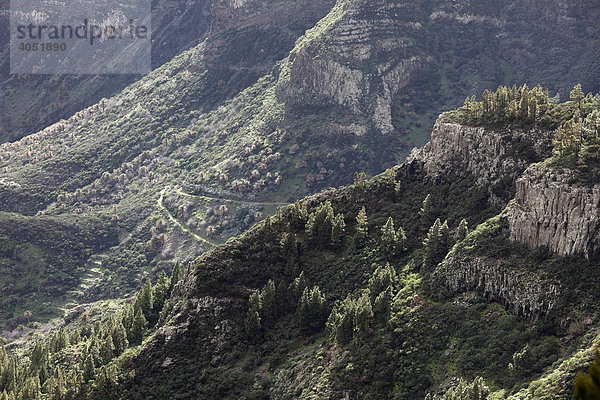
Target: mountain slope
(492, 308)
(279, 101)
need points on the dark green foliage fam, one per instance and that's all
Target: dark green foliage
(269, 305)
(320, 223)
(297, 216)
(106, 380)
(31, 389)
(436, 243)
(519, 106)
(160, 293)
(360, 179)
(88, 368)
(252, 322)
(350, 318)
(289, 245)
(312, 310)
(587, 386)
(296, 288)
(119, 338)
(138, 328)
(426, 213)
(107, 350)
(382, 305)
(338, 231)
(144, 303)
(362, 228)
(388, 236)
(382, 279)
(392, 241)
(340, 323)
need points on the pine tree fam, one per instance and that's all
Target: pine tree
(119, 338)
(312, 310)
(524, 104)
(75, 381)
(338, 230)
(296, 289)
(382, 278)
(362, 228)
(138, 328)
(432, 244)
(253, 322)
(105, 381)
(30, 389)
(476, 390)
(577, 95)
(289, 246)
(297, 216)
(97, 329)
(388, 236)
(382, 305)
(89, 369)
(360, 180)
(445, 241)
(74, 337)
(462, 231)
(39, 354)
(364, 314)
(426, 212)
(268, 297)
(56, 386)
(176, 276)
(144, 300)
(591, 126)
(160, 293)
(107, 350)
(93, 350)
(9, 376)
(340, 323)
(59, 341)
(320, 224)
(127, 318)
(400, 240)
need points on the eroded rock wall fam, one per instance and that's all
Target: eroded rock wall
(457, 151)
(522, 292)
(551, 211)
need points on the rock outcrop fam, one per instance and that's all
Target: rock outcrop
(522, 292)
(550, 210)
(457, 151)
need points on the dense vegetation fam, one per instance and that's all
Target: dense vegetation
(576, 123)
(337, 294)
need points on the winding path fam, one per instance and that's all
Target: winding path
(179, 224)
(189, 231)
(265, 203)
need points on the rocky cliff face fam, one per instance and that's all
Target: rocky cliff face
(524, 293)
(381, 63)
(550, 211)
(457, 151)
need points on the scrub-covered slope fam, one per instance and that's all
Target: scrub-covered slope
(281, 100)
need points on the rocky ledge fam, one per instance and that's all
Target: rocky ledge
(522, 292)
(551, 211)
(457, 151)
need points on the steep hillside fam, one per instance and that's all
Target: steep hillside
(363, 292)
(278, 101)
(177, 26)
